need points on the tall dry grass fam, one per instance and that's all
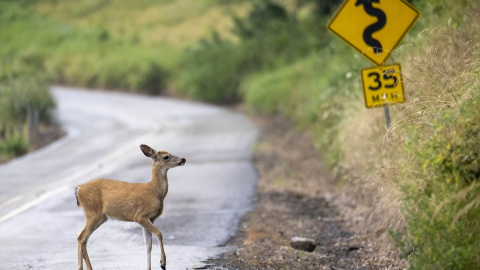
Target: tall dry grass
(420, 178)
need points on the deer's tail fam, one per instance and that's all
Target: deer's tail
(76, 195)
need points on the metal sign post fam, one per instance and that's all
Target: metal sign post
(387, 116)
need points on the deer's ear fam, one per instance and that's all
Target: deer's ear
(147, 151)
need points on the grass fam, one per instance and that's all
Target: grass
(441, 131)
(269, 37)
(111, 44)
(174, 24)
(425, 167)
(316, 94)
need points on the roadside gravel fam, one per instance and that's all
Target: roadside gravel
(296, 196)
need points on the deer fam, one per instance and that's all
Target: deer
(102, 199)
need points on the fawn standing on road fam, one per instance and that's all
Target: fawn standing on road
(140, 202)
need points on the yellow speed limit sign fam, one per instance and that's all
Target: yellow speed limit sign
(382, 85)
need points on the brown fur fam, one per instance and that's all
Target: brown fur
(140, 202)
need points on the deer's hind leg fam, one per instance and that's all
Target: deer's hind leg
(91, 224)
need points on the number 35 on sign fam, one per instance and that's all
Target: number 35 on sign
(382, 85)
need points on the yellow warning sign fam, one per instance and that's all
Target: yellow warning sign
(373, 27)
(382, 85)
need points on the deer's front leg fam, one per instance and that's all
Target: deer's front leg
(147, 224)
(147, 235)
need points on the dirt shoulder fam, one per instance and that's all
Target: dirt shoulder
(296, 196)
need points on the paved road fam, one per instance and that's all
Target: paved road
(39, 218)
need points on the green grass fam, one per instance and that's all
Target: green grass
(270, 37)
(111, 44)
(312, 93)
(441, 169)
(443, 204)
(434, 139)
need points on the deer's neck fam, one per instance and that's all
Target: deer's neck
(160, 180)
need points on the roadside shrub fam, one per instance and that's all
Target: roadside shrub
(440, 182)
(268, 37)
(154, 80)
(14, 145)
(21, 85)
(443, 204)
(212, 73)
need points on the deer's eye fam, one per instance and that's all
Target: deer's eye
(166, 157)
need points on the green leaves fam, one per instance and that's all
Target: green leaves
(21, 85)
(269, 37)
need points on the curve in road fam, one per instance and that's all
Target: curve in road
(39, 218)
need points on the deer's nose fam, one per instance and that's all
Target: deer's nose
(183, 161)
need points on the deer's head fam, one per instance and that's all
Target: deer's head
(162, 158)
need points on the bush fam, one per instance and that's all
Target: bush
(441, 170)
(21, 86)
(268, 37)
(154, 80)
(212, 73)
(14, 145)
(444, 206)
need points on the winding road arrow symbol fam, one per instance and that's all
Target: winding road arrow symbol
(381, 21)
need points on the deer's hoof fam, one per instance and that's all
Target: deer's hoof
(164, 267)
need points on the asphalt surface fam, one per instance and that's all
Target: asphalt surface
(39, 218)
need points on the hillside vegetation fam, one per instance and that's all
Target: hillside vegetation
(125, 45)
(25, 106)
(110, 44)
(277, 57)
